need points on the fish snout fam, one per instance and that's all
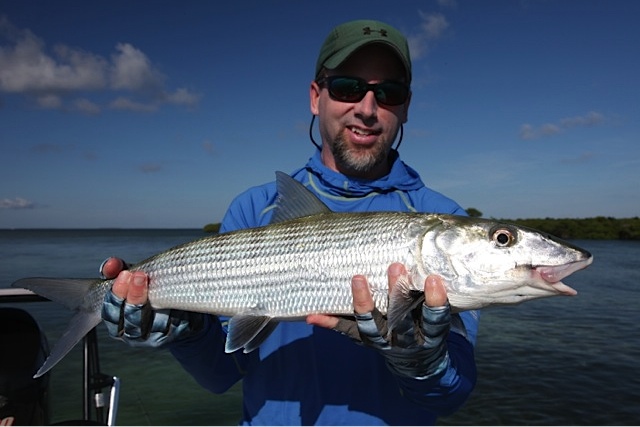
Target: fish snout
(553, 274)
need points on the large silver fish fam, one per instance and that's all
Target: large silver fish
(303, 262)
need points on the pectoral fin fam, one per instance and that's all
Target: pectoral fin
(248, 331)
(402, 301)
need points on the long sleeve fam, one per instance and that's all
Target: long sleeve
(304, 374)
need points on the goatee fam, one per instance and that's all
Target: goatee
(358, 160)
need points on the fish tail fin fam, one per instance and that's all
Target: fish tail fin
(79, 326)
(70, 293)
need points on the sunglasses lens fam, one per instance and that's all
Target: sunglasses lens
(391, 93)
(349, 89)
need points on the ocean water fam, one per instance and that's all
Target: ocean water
(555, 361)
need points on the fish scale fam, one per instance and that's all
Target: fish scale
(252, 271)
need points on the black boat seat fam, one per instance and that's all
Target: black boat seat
(23, 348)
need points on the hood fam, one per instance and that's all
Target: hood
(401, 177)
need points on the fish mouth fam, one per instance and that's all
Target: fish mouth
(553, 274)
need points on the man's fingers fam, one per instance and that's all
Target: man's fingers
(434, 291)
(137, 288)
(111, 267)
(322, 320)
(131, 286)
(394, 272)
(362, 299)
(120, 286)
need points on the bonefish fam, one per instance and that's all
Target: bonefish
(302, 263)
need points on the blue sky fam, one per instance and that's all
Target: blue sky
(156, 114)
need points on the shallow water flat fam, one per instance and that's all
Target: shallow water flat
(552, 361)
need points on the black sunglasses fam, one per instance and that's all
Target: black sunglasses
(353, 89)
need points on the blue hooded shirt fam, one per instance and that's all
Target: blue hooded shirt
(306, 375)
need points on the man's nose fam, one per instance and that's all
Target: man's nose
(368, 106)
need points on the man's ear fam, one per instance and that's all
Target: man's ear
(314, 96)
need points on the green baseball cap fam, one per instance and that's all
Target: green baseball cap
(346, 38)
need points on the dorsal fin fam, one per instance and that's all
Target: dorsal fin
(295, 200)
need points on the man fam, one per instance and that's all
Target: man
(306, 372)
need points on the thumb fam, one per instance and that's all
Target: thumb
(435, 293)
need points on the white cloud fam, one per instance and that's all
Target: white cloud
(49, 101)
(549, 129)
(527, 132)
(182, 97)
(16, 203)
(433, 27)
(85, 106)
(132, 70)
(50, 77)
(123, 103)
(592, 118)
(26, 67)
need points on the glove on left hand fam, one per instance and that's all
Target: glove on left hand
(415, 349)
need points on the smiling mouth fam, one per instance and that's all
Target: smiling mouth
(363, 132)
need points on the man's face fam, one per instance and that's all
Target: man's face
(357, 137)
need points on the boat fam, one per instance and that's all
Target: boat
(25, 400)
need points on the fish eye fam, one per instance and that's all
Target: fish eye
(503, 237)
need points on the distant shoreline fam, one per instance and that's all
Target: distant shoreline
(594, 228)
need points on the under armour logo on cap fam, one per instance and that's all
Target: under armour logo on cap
(350, 36)
(367, 31)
